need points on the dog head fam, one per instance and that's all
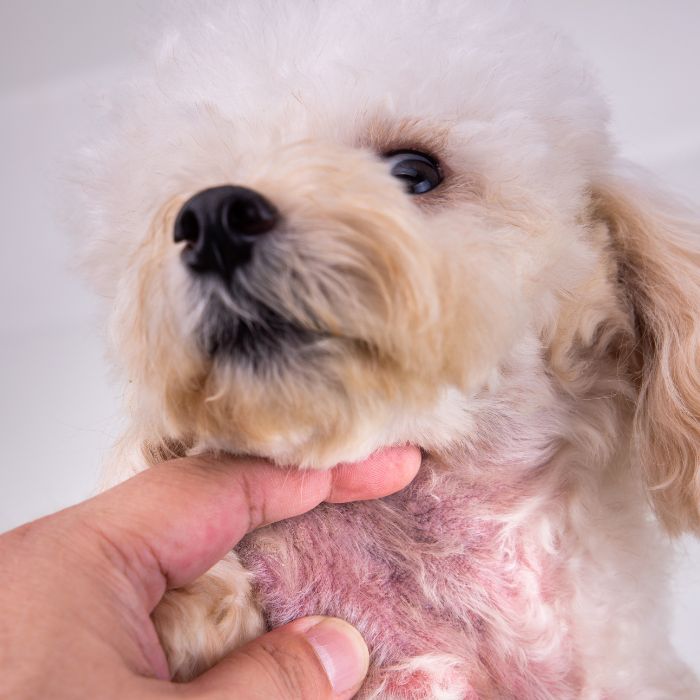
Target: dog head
(320, 223)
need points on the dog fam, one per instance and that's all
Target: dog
(327, 227)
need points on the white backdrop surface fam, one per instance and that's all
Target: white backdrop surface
(59, 411)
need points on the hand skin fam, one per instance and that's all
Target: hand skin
(78, 586)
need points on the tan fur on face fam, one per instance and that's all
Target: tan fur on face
(354, 262)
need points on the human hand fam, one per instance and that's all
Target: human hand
(79, 586)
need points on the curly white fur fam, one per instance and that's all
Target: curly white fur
(532, 324)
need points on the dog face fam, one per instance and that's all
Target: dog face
(324, 228)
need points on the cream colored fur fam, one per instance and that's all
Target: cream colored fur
(543, 292)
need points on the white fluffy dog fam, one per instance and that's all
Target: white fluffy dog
(327, 227)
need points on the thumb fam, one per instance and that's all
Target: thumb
(313, 658)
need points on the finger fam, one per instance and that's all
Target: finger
(169, 524)
(314, 658)
(383, 473)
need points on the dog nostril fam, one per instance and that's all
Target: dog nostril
(187, 227)
(249, 215)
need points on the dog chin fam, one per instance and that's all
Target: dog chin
(436, 427)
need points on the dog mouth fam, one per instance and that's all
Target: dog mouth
(260, 335)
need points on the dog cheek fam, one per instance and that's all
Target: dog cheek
(149, 333)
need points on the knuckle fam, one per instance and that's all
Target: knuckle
(255, 502)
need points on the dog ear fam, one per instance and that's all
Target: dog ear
(657, 241)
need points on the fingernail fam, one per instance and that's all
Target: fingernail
(342, 652)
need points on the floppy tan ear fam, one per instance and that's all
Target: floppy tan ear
(657, 241)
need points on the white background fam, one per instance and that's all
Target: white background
(58, 410)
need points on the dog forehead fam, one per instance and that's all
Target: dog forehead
(438, 58)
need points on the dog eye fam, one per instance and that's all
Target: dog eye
(420, 172)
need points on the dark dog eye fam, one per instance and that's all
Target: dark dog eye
(420, 172)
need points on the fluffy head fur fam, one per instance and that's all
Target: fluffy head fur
(538, 244)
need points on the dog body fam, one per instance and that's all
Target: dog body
(327, 229)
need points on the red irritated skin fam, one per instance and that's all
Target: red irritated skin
(426, 573)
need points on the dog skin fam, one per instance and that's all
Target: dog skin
(530, 321)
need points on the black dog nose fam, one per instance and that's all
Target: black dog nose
(220, 226)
